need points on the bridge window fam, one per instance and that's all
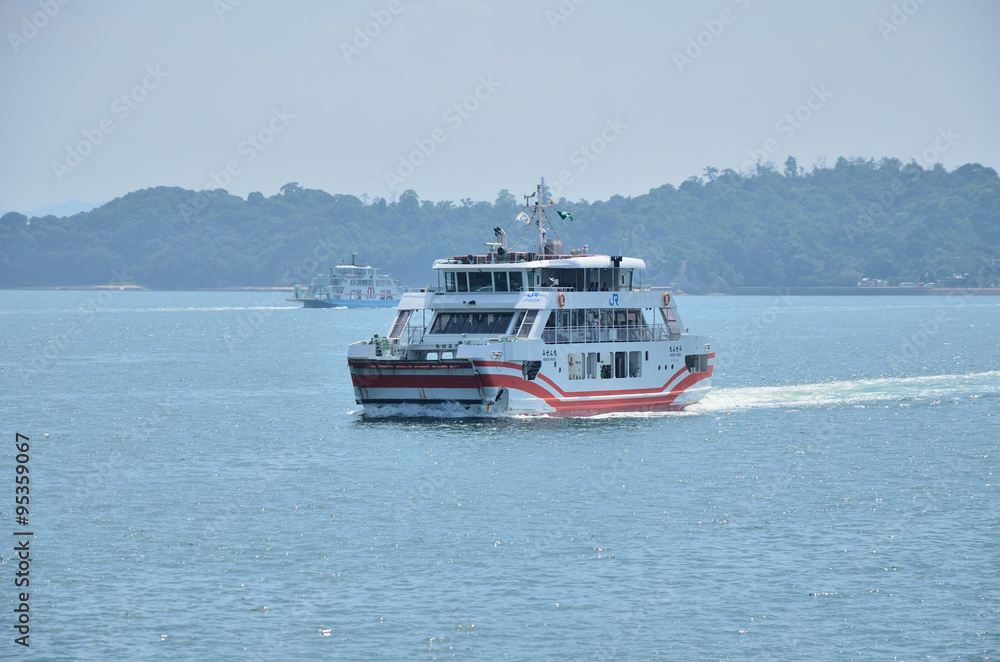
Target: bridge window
(500, 281)
(480, 281)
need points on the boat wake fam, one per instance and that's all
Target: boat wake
(933, 389)
(443, 410)
(860, 393)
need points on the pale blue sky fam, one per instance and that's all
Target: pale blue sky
(551, 77)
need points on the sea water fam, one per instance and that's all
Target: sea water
(203, 486)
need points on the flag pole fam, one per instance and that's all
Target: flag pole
(539, 237)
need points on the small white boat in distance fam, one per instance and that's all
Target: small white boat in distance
(530, 333)
(350, 286)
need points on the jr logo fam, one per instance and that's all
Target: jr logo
(532, 295)
(613, 301)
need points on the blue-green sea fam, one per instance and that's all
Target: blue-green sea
(203, 487)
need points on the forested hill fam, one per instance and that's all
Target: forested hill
(828, 226)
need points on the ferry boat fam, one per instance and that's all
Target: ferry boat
(351, 286)
(513, 332)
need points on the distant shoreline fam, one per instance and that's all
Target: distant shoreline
(865, 291)
(140, 288)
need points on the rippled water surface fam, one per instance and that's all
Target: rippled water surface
(204, 487)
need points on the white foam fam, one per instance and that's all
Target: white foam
(852, 392)
(442, 410)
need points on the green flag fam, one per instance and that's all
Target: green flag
(564, 215)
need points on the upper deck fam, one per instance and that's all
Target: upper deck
(519, 272)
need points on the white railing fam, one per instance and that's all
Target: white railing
(588, 334)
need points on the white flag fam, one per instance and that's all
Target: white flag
(524, 218)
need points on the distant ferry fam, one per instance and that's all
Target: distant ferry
(530, 333)
(350, 286)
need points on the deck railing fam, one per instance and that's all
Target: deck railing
(588, 334)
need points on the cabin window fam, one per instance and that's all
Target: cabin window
(516, 281)
(696, 362)
(397, 326)
(471, 323)
(529, 369)
(673, 326)
(635, 364)
(529, 321)
(500, 281)
(517, 322)
(490, 323)
(621, 365)
(604, 364)
(591, 365)
(449, 282)
(549, 332)
(463, 283)
(574, 363)
(480, 281)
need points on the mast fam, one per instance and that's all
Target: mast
(539, 235)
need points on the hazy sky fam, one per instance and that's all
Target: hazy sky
(461, 98)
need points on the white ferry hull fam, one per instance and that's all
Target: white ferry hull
(489, 387)
(344, 303)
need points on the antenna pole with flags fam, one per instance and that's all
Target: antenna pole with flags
(539, 235)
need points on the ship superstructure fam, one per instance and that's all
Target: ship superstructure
(541, 332)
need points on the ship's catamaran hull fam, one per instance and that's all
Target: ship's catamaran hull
(648, 369)
(493, 387)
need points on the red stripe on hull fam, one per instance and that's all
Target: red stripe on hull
(662, 402)
(436, 376)
(415, 381)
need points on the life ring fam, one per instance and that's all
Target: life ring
(666, 298)
(562, 299)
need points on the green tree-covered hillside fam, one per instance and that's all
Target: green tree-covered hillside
(830, 226)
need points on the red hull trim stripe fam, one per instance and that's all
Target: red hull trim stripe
(416, 381)
(586, 394)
